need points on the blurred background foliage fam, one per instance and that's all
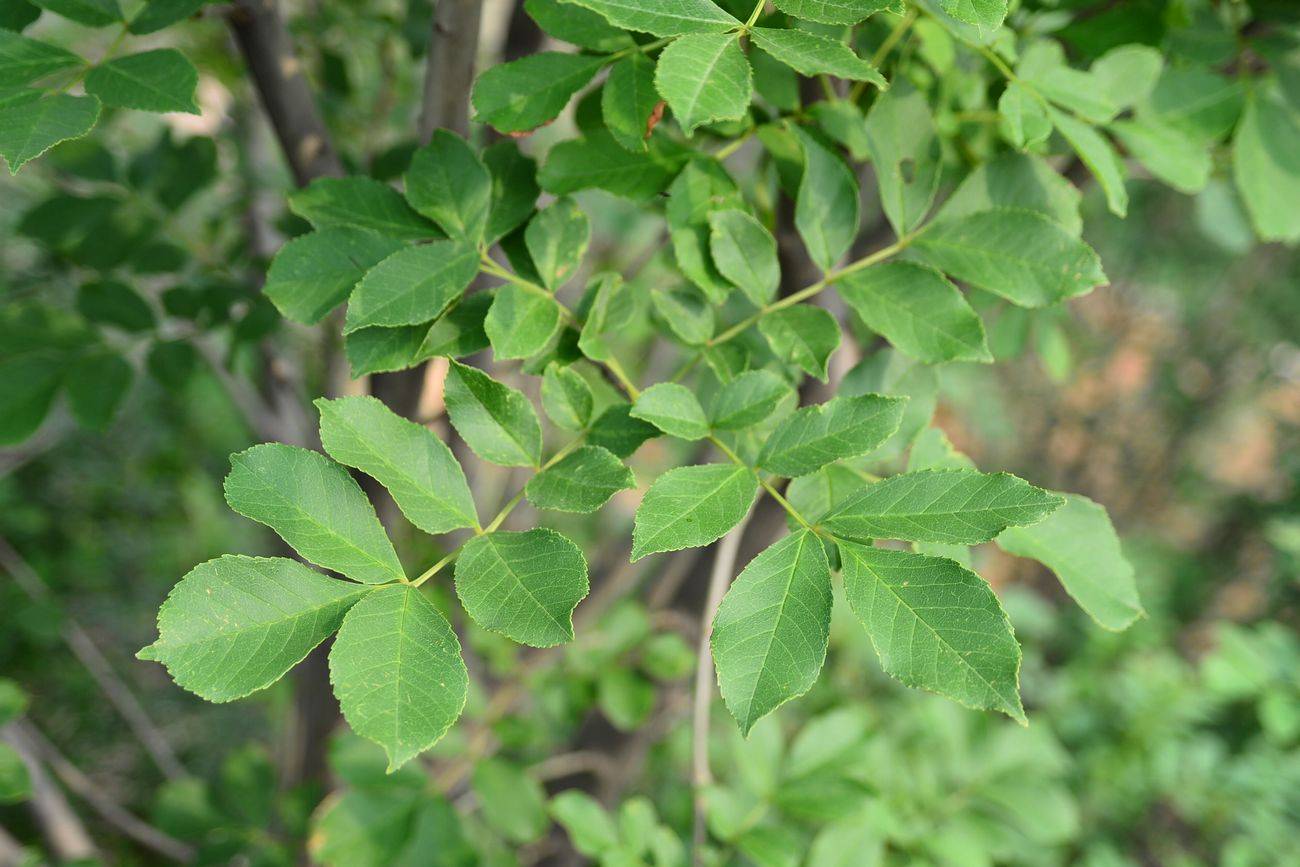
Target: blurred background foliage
(1173, 397)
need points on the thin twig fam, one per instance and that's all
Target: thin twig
(62, 828)
(23, 732)
(94, 661)
(724, 565)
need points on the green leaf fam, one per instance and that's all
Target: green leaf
(810, 54)
(414, 285)
(497, 421)
(28, 384)
(315, 506)
(1044, 68)
(770, 633)
(449, 184)
(917, 310)
(1167, 153)
(625, 697)
(629, 101)
(662, 17)
(1266, 165)
(557, 240)
(617, 431)
(524, 94)
(581, 482)
(313, 274)
(566, 397)
(16, 15)
(235, 625)
(397, 672)
(15, 780)
(905, 150)
(597, 160)
(932, 450)
(92, 13)
(378, 350)
(843, 427)
(704, 77)
(702, 187)
(826, 210)
(962, 507)
(13, 701)
(612, 309)
(817, 493)
(523, 585)
(692, 506)
(987, 15)
(674, 409)
(804, 335)
(415, 466)
(161, 80)
(511, 801)
(590, 828)
(686, 313)
(514, 188)
(31, 123)
(1019, 255)
(158, 14)
(520, 323)
(935, 626)
(111, 302)
(1128, 73)
(1016, 180)
(570, 23)
(748, 400)
(23, 60)
(360, 203)
(459, 331)
(1098, 155)
(96, 383)
(832, 11)
(1195, 100)
(1078, 543)
(745, 253)
(844, 123)
(1023, 118)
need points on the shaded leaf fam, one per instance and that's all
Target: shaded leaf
(497, 421)
(803, 335)
(524, 94)
(826, 211)
(581, 482)
(744, 252)
(557, 240)
(413, 285)
(161, 80)
(662, 17)
(449, 184)
(313, 274)
(748, 399)
(32, 123)
(811, 54)
(629, 100)
(360, 203)
(674, 409)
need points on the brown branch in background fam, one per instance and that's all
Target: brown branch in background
(94, 661)
(25, 738)
(277, 72)
(724, 566)
(11, 851)
(62, 829)
(449, 67)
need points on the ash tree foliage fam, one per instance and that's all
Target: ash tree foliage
(969, 129)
